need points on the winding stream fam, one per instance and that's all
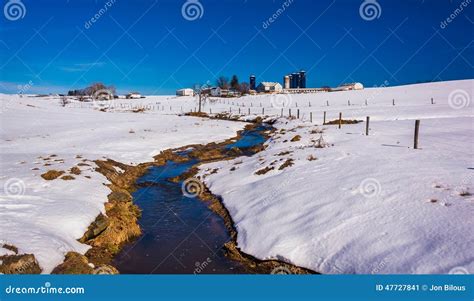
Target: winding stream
(181, 235)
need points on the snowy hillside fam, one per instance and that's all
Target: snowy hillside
(362, 204)
(47, 217)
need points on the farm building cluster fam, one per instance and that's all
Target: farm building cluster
(292, 83)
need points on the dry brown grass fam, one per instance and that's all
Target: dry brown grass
(343, 121)
(296, 138)
(264, 170)
(52, 174)
(288, 163)
(75, 170)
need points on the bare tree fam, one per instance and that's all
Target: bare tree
(63, 101)
(201, 92)
(223, 82)
(244, 88)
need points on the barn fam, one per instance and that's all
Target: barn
(269, 87)
(185, 92)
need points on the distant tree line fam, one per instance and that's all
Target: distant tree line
(224, 83)
(92, 89)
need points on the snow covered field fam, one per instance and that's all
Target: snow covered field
(367, 204)
(46, 218)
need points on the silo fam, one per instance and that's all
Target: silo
(286, 82)
(252, 82)
(296, 80)
(302, 79)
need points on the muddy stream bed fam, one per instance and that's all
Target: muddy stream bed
(181, 234)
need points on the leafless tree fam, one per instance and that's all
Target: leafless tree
(63, 101)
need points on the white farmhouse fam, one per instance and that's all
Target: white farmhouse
(185, 92)
(133, 95)
(219, 92)
(269, 87)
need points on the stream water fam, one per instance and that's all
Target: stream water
(181, 235)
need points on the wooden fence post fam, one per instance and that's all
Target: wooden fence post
(311, 117)
(327, 103)
(340, 119)
(239, 110)
(289, 112)
(432, 101)
(324, 118)
(366, 102)
(249, 111)
(298, 113)
(281, 115)
(417, 130)
(263, 111)
(367, 126)
(393, 102)
(348, 102)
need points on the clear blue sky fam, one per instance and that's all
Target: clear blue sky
(149, 46)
